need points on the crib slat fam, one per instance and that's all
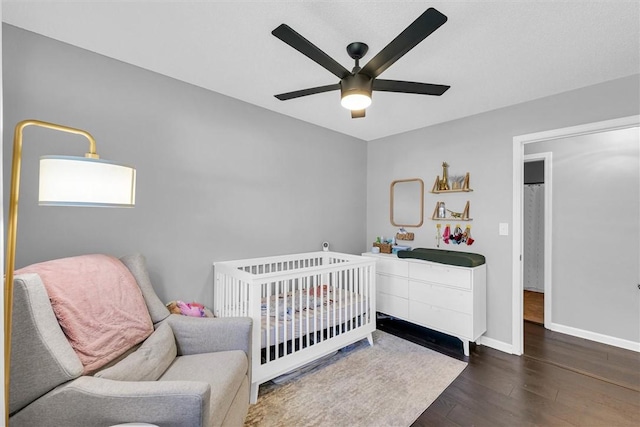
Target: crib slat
(285, 314)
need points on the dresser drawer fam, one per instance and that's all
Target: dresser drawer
(393, 285)
(450, 276)
(447, 321)
(441, 296)
(392, 305)
(392, 266)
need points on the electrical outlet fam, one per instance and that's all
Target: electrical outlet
(503, 229)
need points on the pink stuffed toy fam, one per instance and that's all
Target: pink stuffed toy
(191, 309)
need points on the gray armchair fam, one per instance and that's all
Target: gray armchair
(188, 372)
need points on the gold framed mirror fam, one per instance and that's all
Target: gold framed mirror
(407, 202)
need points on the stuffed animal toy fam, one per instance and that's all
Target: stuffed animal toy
(173, 308)
(192, 309)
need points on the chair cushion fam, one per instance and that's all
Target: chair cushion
(224, 371)
(98, 305)
(148, 362)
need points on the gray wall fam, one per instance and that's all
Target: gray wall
(483, 145)
(218, 179)
(595, 243)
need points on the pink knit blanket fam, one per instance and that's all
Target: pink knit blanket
(98, 304)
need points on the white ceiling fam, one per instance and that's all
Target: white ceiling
(492, 54)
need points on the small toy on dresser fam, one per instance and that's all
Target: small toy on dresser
(192, 309)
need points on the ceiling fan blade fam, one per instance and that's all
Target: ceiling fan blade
(409, 87)
(356, 114)
(426, 24)
(305, 92)
(311, 51)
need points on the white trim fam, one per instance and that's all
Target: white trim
(547, 158)
(594, 336)
(493, 343)
(517, 328)
(586, 129)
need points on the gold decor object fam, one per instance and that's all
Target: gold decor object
(64, 181)
(443, 185)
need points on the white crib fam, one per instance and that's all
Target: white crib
(303, 306)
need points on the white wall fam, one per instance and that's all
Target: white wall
(596, 234)
(218, 179)
(482, 145)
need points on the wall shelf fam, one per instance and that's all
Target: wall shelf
(459, 190)
(465, 186)
(451, 215)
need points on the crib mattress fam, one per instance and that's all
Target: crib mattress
(461, 259)
(297, 320)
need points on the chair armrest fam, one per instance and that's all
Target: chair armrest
(196, 335)
(98, 401)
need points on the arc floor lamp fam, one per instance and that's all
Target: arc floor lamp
(64, 181)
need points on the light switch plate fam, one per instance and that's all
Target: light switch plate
(503, 229)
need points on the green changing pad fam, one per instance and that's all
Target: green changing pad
(461, 259)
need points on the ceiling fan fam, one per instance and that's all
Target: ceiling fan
(357, 85)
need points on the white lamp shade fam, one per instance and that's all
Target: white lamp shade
(82, 181)
(355, 101)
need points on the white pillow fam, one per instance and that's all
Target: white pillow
(148, 362)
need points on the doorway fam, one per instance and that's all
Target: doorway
(536, 238)
(624, 295)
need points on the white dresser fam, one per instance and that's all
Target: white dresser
(442, 297)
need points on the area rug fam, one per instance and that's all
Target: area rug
(389, 384)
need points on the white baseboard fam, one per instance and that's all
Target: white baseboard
(493, 343)
(594, 336)
(580, 333)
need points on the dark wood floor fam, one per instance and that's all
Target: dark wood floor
(559, 381)
(534, 307)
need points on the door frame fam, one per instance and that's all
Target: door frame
(517, 324)
(547, 159)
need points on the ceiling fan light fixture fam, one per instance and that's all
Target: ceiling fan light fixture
(355, 91)
(356, 101)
